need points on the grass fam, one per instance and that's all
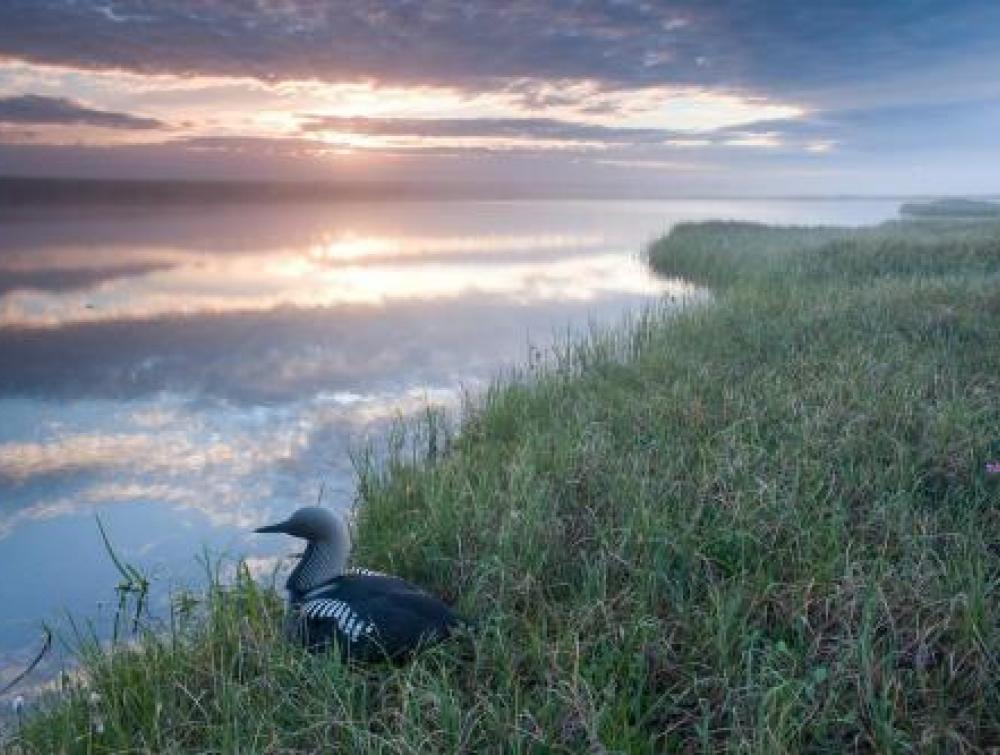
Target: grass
(762, 525)
(952, 208)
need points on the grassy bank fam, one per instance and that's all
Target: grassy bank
(970, 209)
(765, 524)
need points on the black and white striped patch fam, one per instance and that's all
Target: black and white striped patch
(363, 572)
(350, 624)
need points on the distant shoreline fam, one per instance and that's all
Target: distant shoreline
(16, 191)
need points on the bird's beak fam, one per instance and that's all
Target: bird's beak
(279, 527)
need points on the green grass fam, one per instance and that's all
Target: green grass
(763, 524)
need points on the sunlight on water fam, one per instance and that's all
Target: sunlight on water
(190, 373)
(216, 285)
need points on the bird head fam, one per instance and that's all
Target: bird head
(327, 552)
(312, 523)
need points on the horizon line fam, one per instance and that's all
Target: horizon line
(28, 189)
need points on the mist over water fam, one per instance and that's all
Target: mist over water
(190, 373)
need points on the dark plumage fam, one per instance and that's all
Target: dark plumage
(369, 616)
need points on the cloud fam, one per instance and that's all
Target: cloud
(537, 128)
(302, 39)
(734, 43)
(673, 166)
(39, 110)
(880, 131)
(764, 139)
(21, 460)
(70, 279)
(820, 147)
(474, 133)
(446, 90)
(255, 145)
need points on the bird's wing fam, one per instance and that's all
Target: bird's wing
(372, 617)
(405, 622)
(325, 617)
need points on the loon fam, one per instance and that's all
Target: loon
(368, 615)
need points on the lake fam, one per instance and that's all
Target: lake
(188, 373)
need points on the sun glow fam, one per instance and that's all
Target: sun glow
(217, 107)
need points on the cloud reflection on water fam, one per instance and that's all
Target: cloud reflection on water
(175, 455)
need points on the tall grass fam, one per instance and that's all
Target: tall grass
(763, 525)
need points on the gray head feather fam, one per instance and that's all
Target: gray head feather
(327, 552)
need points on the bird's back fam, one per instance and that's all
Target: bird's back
(373, 617)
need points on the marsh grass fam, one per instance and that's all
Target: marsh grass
(760, 525)
(969, 209)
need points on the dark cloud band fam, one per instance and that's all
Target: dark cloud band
(541, 129)
(738, 43)
(38, 110)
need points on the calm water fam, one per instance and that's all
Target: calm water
(190, 373)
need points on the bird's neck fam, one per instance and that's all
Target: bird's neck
(321, 562)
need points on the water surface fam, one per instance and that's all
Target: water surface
(190, 373)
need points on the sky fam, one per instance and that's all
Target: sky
(710, 97)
